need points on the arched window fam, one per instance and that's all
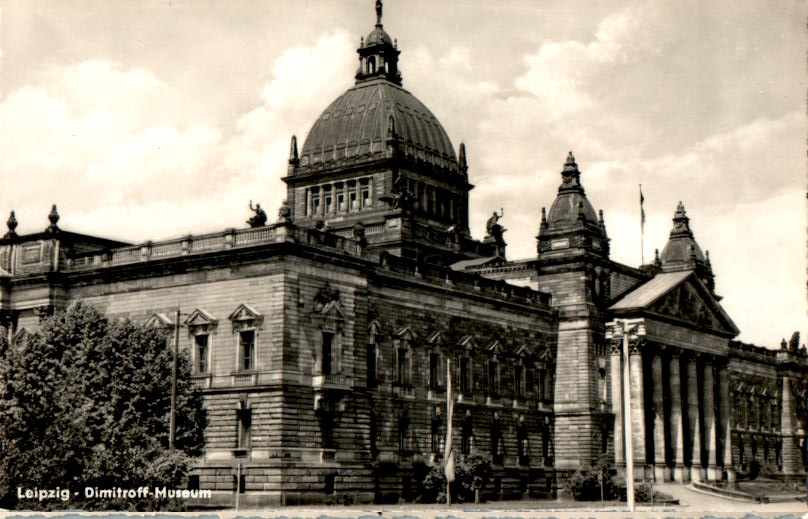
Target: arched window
(371, 64)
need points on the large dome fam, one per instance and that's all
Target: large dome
(354, 128)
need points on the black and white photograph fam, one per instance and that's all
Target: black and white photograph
(524, 257)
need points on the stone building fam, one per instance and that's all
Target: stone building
(321, 340)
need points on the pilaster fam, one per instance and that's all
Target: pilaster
(724, 408)
(788, 424)
(616, 381)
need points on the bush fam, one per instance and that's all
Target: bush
(585, 483)
(472, 473)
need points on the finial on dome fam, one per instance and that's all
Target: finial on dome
(53, 217)
(464, 166)
(543, 217)
(379, 12)
(657, 261)
(681, 223)
(570, 158)
(293, 156)
(361, 41)
(11, 223)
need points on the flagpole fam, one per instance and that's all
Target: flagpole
(448, 442)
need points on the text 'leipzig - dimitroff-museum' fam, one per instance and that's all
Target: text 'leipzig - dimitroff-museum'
(321, 339)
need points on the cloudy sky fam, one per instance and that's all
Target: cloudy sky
(149, 120)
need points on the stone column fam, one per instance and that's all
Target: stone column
(726, 418)
(660, 467)
(710, 435)
(616, 383)
(696, 469)
(637, 407)
(792, 457)
(676, 425)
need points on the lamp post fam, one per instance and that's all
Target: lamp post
(627, 330)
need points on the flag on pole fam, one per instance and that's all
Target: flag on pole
(449, 467)
(642, 208)
(642, 227)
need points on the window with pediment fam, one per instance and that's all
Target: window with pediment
(330, 318)
(402, 345)
(374, 333)
(201, 328)
(493, 369)
(246, 322)
(436, 344)
(521, 382)
(465, 362)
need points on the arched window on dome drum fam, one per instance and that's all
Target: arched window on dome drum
(371, 65)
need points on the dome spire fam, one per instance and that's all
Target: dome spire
(570, 176)
(378, 13)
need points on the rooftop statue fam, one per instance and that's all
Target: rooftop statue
(259, 219)
(493, 228)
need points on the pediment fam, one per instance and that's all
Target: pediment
(159, 321)
(523, 351)
(436, 339)
(406, 334)
(200, 317)
(495, 348)
(245, 312)
(375, 328)
(467, 342)
(691, 302)
(333, 311)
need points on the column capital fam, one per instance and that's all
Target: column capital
(636, 345)
(615, 346)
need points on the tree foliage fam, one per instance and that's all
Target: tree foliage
(86, 402)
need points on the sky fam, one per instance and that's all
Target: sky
(155, 119)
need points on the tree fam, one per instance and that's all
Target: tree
(86, 402)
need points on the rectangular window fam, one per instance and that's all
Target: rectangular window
(364, 189)
(328, 338)
(493, 378)
(435, 435)
(465, 375)
(518, 385)
(246, 350)
(434, 371)
(371, 360)
(244, 425)
(341, 202)
(329, 206)
(201, 353)
(316, 205)
(354, 202)
(402, 366)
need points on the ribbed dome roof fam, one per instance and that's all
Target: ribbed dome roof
(355, 128)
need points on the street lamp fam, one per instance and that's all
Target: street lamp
(627, 330)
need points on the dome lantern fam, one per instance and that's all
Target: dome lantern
(378, 54)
